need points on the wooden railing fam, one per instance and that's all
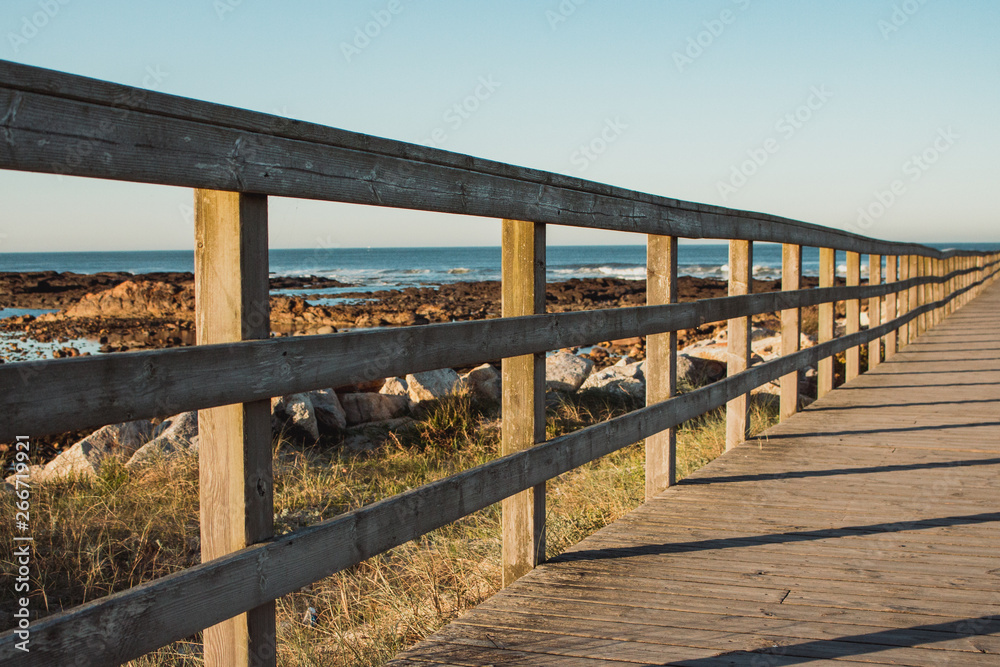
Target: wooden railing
(57, 123)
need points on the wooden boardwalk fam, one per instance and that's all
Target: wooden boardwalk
(865, 530)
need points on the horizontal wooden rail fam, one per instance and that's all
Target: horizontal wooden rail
(61, 395)
(110, 627)
(54, 122)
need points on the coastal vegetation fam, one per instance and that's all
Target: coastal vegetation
(97, 535)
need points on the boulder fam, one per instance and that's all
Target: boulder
(433, 385)
(137, 298)
(86, 456)
(298, 411)
(328, 410)
(627, 379)
(697, 372)
(370, 407)
(566, 372)
(395, 387)
(483, 382)
(173, 435)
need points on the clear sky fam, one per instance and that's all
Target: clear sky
(879, 116)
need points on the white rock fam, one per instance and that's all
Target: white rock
(484, 382)
(328, 410)
(566, 372)
(433, 385)
(298, 410)
(698, 372)
(172, 435)
(618, 380)
(86, 456)
(395, 387)
(370, 407)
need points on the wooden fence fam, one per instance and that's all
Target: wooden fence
(57, 123)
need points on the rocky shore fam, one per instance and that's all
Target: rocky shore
(119, 312)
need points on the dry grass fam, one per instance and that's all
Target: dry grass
(97, 536)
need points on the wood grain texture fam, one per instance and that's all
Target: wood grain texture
(905, 305)
(874, 310)
(234, 456)
(114, 627)
(59, 395)
(853, 322)
(661, 361)
(796, 548)
(523, 402)
(738, 335)
(891, 303)
(791, 326)
(827, 275)
(150, 137)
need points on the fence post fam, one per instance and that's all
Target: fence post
(891, 301)
(523, 409)
(791, 326)
(661, 361)
(237, 501)
(904, 301)
(874, 310)
(738, 345)
(853, 307)
(923, 294)
(827, 315)
(912, 330)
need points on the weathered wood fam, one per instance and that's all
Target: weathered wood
(235, 479)
(827, 319)
(912, 331)
(904, 300)
(523, 409)
(891, 304)
(853, 323)
(791, 326)
(791, 549)
(738, 337)
(60, 395)
(874, 310)
(249, 578)
(661, 362)
(145, 136)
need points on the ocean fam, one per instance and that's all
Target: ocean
(396, 268)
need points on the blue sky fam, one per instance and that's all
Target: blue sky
(878, 116)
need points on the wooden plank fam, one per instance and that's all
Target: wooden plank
(912, 331)
(827, 276)
(791, 326)
(661, 361)
(874, 310)
(891, 304)
(523, 410)
(853, 323)
(738, 337)
(59, 395)
(235, 478)
(151, 137)
(249, 578)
